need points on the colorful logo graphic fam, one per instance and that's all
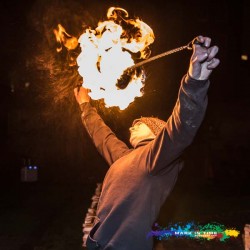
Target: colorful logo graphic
(191, 230)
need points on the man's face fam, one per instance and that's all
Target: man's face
(139, 132)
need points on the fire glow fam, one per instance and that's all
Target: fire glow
(106, 52)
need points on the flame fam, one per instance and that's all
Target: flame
(107, 51)
(64, 38)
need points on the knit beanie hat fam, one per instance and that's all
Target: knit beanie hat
(153, 123)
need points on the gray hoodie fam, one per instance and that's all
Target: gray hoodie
(139, 180)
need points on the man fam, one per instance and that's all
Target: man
(140, 179)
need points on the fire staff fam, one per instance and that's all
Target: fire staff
(140, 179)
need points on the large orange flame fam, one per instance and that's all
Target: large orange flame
(106, 52)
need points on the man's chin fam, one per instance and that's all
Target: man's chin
(141, 142)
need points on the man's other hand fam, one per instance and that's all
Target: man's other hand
(81, 95)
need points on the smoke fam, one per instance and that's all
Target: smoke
(60, 78)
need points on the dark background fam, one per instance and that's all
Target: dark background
(41, 121)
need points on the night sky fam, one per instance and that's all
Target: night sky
(43, 120)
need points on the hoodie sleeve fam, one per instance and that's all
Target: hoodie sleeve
(181, 127)
(106, 142)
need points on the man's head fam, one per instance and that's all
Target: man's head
(145, 128)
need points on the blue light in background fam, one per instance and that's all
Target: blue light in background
(32, 167)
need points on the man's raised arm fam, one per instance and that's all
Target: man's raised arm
(106, 142)
(189, 109)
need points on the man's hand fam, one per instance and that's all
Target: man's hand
(203, 59)
(81, 95)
